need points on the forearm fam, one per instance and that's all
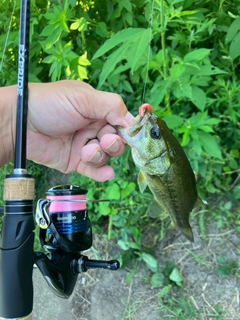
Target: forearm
(8, 102)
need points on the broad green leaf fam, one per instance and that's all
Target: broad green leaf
(176, 277)
(212, 121)
(48, 30)
(173, 121)
(128, 189)
(208, 70)
(128, 17)
(104, 208)
(210, 144)
(112, 192)
(80, 24)
(197, 147)
(158, 92)
(233, 30)
(123, 36)
(127, 5)
(176, 71)
(150, 261)
(157, 280)
(206, 128)
(196, 55)
(234, 49)
(101, 29)
(123, 245)
(198, 98)
(49, 59)
(165, 291)
(186, 90)
(139, 47)
(185, 138)
(84, 61)
(82, 73)
(111, 62)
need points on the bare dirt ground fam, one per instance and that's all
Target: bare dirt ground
(106, 295)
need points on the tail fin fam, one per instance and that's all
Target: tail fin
(187, 232)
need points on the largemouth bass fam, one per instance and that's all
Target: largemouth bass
(164, 168)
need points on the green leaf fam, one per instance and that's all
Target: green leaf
(112, 192)
(111, 62)
(130, 187)
(210, 144)
(49, 59)
(82, 73)
(84, 61)
(176, 71)
(176, 277)
(198, 98)
(196, 55)
(122, 36)
(150, 261)
(127, 5)
(186, 90)
(47, 31)
(104, 208)
(206, 128)
(234, 49)
(128, 17)
(173, 121)
(138, 48)
(101, 29)
(157, 280)
(123, 245)
(233, 30)
(165, 291)
(209, 70)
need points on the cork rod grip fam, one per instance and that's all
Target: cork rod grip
(18, 189)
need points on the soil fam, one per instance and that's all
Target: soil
(107, 295)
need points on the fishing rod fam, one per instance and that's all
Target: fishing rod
(64, 225)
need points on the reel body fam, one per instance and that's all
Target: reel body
(64, 231)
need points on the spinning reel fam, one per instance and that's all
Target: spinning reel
(64, 231)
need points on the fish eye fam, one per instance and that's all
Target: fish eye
(155, 133)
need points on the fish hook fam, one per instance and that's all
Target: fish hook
(143, 107)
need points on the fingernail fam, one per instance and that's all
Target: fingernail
(96, 157)
(129, 118)
(113, 147)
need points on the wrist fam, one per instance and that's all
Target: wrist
(8, 103)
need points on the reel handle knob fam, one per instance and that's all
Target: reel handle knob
(83, 264)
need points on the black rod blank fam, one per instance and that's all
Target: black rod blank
(22, 93)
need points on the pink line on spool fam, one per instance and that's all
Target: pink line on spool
(66, 206)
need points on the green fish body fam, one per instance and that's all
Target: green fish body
(164, 168)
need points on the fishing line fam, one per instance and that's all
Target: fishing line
(8, 32)
(149, 50)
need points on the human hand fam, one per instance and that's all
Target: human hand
(70, 128)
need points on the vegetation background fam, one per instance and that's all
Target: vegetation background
(183, 57)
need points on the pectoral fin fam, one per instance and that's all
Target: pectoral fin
(200, 202)
(155, 210)
(141, 182)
